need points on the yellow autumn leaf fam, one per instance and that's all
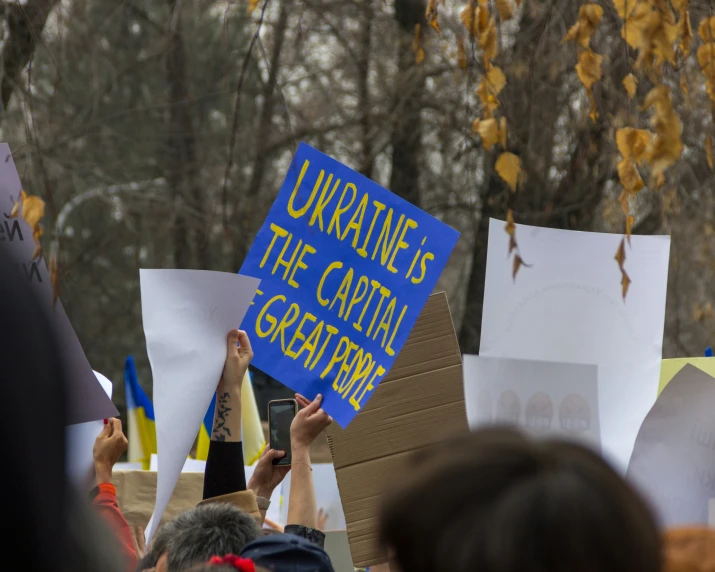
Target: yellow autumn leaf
(625, 283)
(684, 83)
(475, 126)
(508, 166)
(488, 130)
(431, 15)
(629, 176)
(518, 263)
(416, 45)
(621, 254)
(33, 209)
(624, 7)
(488, 99)
(709, 151)
(666, 146)
(496, 79)
(706, 30)
(488, 41)
(252, 5)
(470, 19)
(623, 199)
(630, 83)
(506, 10)
(630, 219)
(685, 29)
(461, 54)
(589, 16)
(588, 68)
(502, 132)
(510, 227)
(633, 143)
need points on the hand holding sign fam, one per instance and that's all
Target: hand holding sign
(345, 268)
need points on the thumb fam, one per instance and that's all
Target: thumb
(231, 342)
(275, 454)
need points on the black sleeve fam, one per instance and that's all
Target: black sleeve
(311, 534)
(224, 469)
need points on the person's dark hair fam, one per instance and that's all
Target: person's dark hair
(158, 546)
(496, 501)
(46, 524)
(196, 535)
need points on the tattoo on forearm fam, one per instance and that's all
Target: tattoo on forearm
(220, 431)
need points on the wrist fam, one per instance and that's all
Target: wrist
(300, 452)
(103, 472)
(261, 491)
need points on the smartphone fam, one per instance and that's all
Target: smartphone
(280, 415)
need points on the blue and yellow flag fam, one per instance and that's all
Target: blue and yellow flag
(251, 429)
(141, 431)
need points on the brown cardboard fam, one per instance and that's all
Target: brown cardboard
(419, 402)
(136, 493)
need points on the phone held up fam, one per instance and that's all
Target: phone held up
(280, 415)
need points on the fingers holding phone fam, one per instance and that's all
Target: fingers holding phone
(310, 422)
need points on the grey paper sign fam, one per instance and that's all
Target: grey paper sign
(673, 460)
(86, 400)
(545, 399)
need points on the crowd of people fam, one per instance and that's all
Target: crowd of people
(491, 501)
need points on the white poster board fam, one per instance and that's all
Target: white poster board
(568, 307)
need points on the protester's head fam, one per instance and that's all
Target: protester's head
(498, 501)
(45, 523)
(228, 563)
(196, 535)
(287, 553)
(689, 549)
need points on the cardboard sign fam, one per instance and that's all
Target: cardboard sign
(345, 268)
(673, 461)
(545, 399)
(136, 492)
(419, 403)
(86, 400)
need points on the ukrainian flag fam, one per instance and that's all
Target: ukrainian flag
(251, 429)
(141, 430)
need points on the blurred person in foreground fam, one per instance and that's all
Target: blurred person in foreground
(46, 526)
(689, 549)
(497, 501)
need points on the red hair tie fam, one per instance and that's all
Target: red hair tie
(242, 564)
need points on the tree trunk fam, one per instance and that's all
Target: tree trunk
(264, 129)
(265, 123)
(182, 164)
(25, 22)
(407, 124)
(367, 162)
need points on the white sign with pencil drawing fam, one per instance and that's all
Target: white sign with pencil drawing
(568, 307)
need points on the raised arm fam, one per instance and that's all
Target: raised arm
(224, 465)
(310, 422)
(108, 447)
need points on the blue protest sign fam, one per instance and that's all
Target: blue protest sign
(345, 268)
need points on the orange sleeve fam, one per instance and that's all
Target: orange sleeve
(106, 504)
